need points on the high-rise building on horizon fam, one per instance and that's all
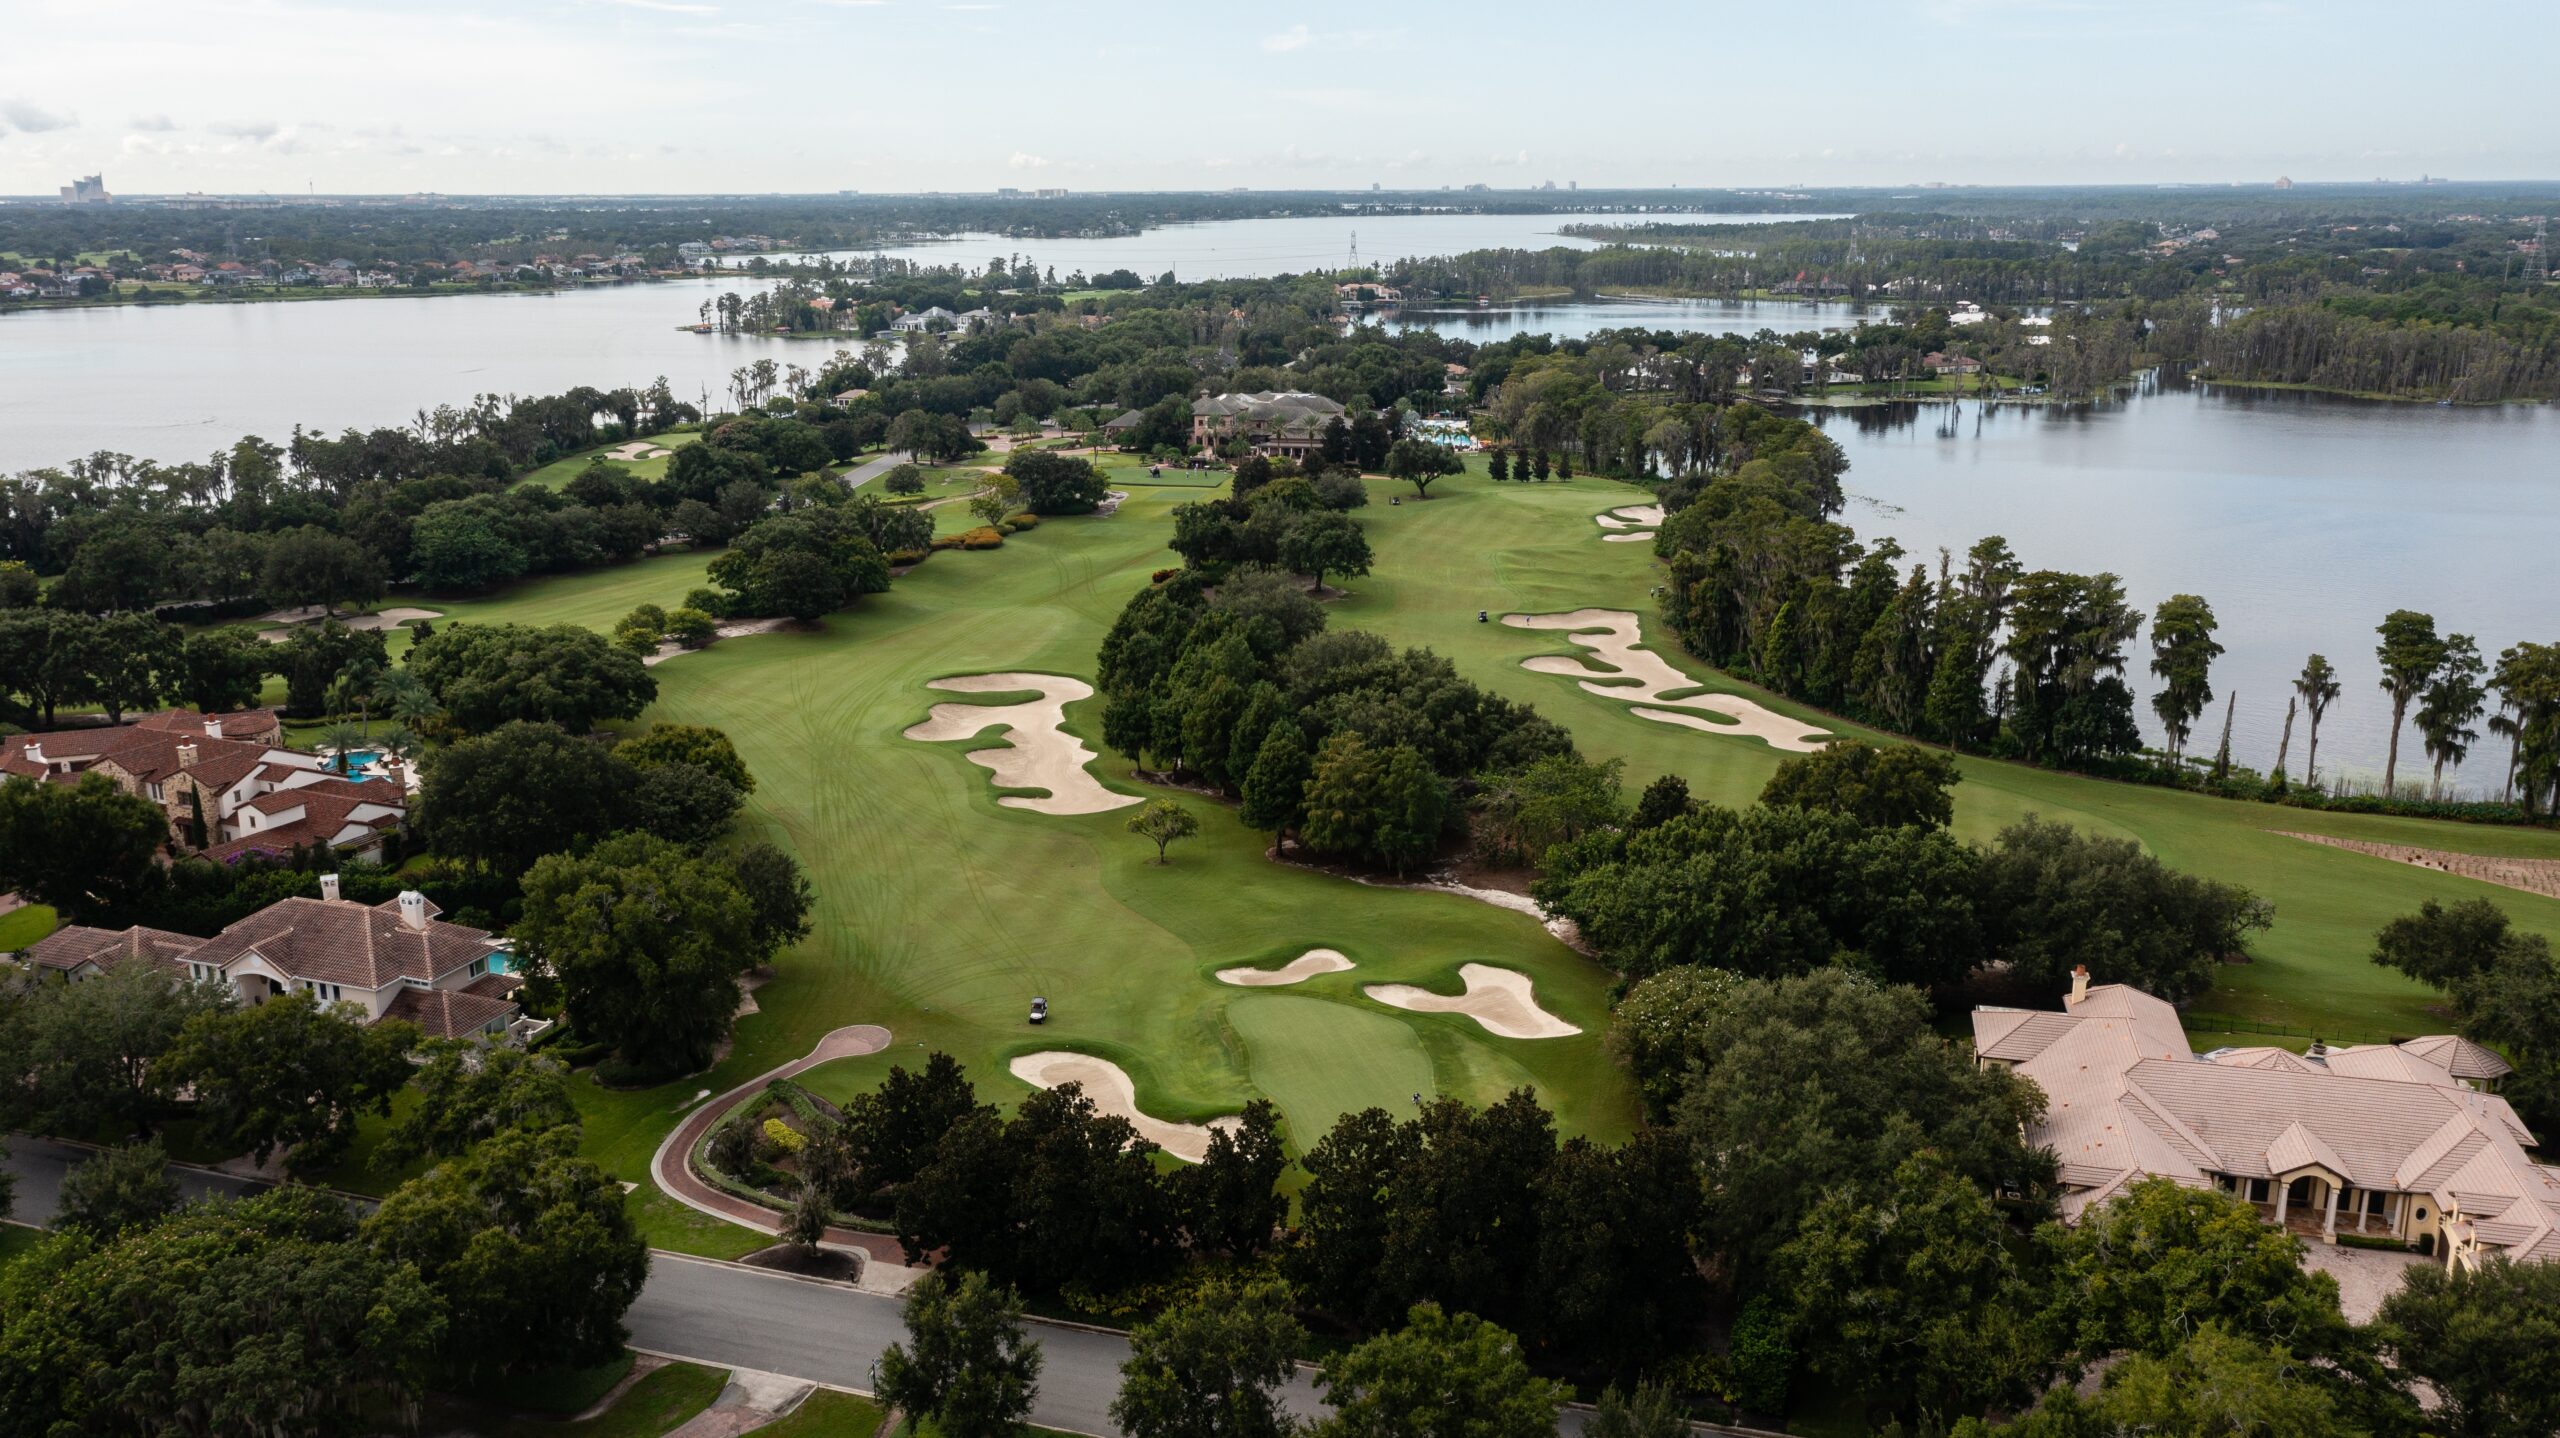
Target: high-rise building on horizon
(87, 190)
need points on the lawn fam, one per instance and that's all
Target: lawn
(561, 471)
(827, 1414)
(24, 925)
(940, 913)
(661, 1401)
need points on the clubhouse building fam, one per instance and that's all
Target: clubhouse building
(2404, 1141)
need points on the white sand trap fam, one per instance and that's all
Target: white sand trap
(637, 449)
(1297, 971)
(1040, 753)
(1499, 999)
(1641, 677)
(1107, 1084)
(1632, 522)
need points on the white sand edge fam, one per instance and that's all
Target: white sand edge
(1108, 1085)
(1502, 1000)
(1039, 753)
(1638, 676)
(1297, 971)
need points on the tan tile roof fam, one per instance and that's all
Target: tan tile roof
(2460, 1057)
(348, 943)
(72, 945)
(257, 724)
(449, 1013)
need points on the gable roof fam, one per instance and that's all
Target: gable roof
(344, 942)
(2458, 1056)
(73, 945)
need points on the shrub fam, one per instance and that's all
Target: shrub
(1023, 520)
(692, 628)
(784, 1137)
(946, 541)
(903, 557)
(982, 537)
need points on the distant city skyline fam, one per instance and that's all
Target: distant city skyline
(803, 96)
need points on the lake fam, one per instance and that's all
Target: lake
(2302, 519)
(1581, 319)
(1245, 249)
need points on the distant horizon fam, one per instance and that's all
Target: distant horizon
(1559, 193)
(722, 97)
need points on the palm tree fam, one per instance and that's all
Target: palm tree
(400, 742)
(341, 737)
(405, 697)
(2317, 684)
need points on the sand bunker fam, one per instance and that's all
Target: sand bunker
(1631, 521)
(1499, 999)
(391, 618)
(1297, 971)
(636, 450)
(1107, 1084)
(1641, 678)
(1041, 754)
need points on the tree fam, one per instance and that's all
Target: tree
(1614, 1286)
(1162, 821)
(1055, 483)
(2410, 654)
(2453, 699)
(805, 1226)
(122, 1188)
(1211, 1367)
(684, 802)
(316, 656)
(529, 1246)
(2182, 654)
(84, 848)
(487, 675)
(1231, 1200)
(892, 1132)
(1499, 465)
(467, 1093)
(2215, 1381)
(2054, 899)
(86, 1060)
(2144, 1270)
(2317, 684)
(1651, 1410)
(778, 897)
(1418, 462)
(259, 1316)
(2482, 1339)
(990, 508)
(1441, 1373)
(309, 565)
(521, 791)
(1274, 790)
(692, 628)
(461, 545)
(1913, 1298)
(903, 479)
(219, 670)
(1665, 799)
(291, 1073)
(1325, 543)
(1559, 798)
(2445, 947)
(1882, 787)
(127, 657)
(967, 1363)
(644, 944)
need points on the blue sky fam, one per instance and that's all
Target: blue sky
(883, 95)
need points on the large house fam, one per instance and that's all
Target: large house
(1289, 422)
(395, 960)
(226, 782)
(2401, 1140)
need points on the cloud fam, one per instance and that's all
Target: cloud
(1021, 161)
(156, 124)
(1299, 37)
(1296, 37)
(666, 7)
(260, 131)
(1520, 158)
(32, 118)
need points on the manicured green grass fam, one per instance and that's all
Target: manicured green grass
(16, 1240)
(24, 925)
(559, 1391)
(661, 1401)
(828, 1414)
(940, 913)
(561, 471)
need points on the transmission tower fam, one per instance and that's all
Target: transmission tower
(1355, 251)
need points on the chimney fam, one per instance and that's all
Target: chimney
(35, 756)
(186, 756)
(329, 888)
(2079, 982)
(212, 728)
(413, 910)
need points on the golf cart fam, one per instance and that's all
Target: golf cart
(1039, 1011)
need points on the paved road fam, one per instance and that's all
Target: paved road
(742, 1318)
(862, 474)
(40, 1164)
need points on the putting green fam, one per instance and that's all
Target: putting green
(1318, 1060)
(941, 914)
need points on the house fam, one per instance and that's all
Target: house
(395, 960)
(1966, 312)
(1943, 364)
(1288, 422)
(918, 321)
(2401, 1140)
(225, 781)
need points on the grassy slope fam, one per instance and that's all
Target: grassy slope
(24, 925)
(941, 913)
(828, 1414)
(561, 471)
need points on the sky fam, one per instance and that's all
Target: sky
(692, 96)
